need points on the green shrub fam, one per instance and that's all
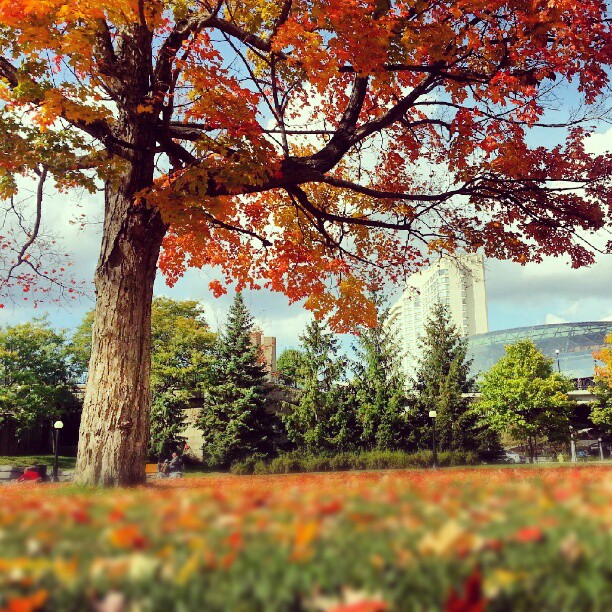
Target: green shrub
(372, 460)
(251, 465)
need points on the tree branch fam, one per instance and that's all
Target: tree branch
(9, 72)
(21, 256)
(302, 198)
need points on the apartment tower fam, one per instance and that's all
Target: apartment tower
(456, 281)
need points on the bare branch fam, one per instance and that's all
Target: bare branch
(22, 255)
(390, 195)
(235, 228)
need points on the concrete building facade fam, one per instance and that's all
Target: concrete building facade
(457, 282)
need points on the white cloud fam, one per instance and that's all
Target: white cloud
(599, 143)
(552, 319)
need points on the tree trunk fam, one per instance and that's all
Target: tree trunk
(531, 449)
(114, 429)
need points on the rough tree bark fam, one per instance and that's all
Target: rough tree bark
(115, 422)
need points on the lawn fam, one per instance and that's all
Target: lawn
(64, 463)
(455, 539)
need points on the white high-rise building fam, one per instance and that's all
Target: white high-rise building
(459, 283)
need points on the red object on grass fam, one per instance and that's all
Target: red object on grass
(472, 599)
(529, 534)
(29, 476)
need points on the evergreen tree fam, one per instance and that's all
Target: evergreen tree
(234, 418)
(380, 389)
(168, 423)
(441, 380)
(319, 423)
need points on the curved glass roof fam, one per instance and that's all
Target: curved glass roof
(575, 342)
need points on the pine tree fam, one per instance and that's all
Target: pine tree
(168, 423)
(441, 380)
(380, 389)
(234, 418)
(319, 423)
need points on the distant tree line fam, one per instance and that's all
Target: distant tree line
(344, 405)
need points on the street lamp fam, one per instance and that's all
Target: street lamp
(432, 415)
(600, 448)
(572, 444)
(57, 426)
(558, 362)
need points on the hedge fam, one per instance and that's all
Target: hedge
(372, 460)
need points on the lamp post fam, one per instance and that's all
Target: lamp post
(600, 449)
(57, 426)
(432, 415)
(558, 362)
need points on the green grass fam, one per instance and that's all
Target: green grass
(64, 463)
(68, 463)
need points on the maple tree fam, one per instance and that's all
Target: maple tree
(289, 143)
(601, 409)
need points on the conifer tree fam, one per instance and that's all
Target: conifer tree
(380, 389)
(168, 423)
(441, 380)
(234, 418)
(317, 424)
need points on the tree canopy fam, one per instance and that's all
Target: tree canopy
(291, 145)
(601, 413)
(36, 376)
(229, 92)
(523, 396)
(289, 365)
(181, 340)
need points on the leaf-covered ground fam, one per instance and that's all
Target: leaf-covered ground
(454, 539)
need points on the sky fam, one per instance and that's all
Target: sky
(550, 292)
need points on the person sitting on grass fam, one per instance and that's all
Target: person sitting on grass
(30, 474)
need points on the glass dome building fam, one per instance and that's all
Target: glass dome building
(575, 342)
